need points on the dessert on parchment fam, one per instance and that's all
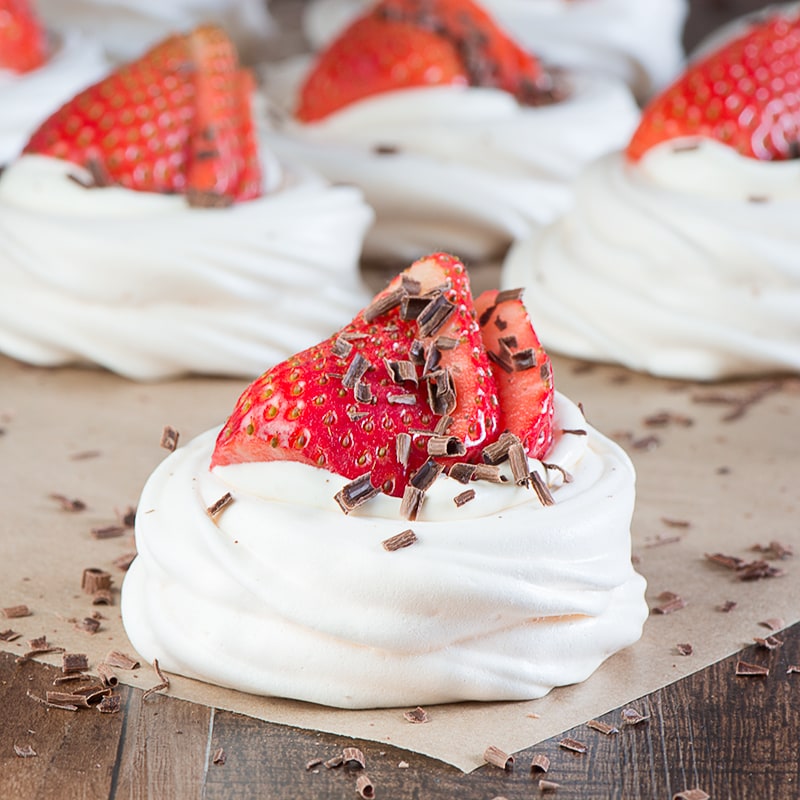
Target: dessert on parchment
(405, 513)
(128, 27)
(638, 42)
(147, 229)
(459, 138)
(39, 69)
(679, 256)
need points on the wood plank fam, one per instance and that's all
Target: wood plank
(76, 750)
(163, 749)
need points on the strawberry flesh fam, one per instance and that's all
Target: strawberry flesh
(745, 95)
(23, 42)
(410, 43)
(416, 371)
(521, 368)
(177, 120)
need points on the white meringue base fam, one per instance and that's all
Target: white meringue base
(147, 287)
(501, 599)
(683, 265)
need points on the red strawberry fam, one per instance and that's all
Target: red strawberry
(177, 120)
(746, 95)
(405, 43)
(521, 369)
(412, 360)
(23, 43)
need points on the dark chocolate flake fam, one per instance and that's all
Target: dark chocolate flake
(684, 648)
(574, 745)
(442, 393)
(162, 684)
(490, 473)
(416, 352)
(363, 393)
(352, 756)
(411, 503)
(356, 493)
(501, 361)
(384, 303)
(68, 504)
(385, 149)
(630, 716)
(542, 490)
(566, 476)
(9, 636)
(519, 464)
(401, 371)
(355, 371)
(524, 359)
(464, 497)
(402, 448)
(74, 662)
(461, 472)
(425, 476)
(364, 786)
(498, 758)
(216, 508)
(445, 446)
(446, 343)
(15, 612)
(540, 763)
(121, 660)
(399, 540)
(417, 716)
(508, 294)
(602, 727)
(341, 348)
(768, 643)
(110, 704)
(108, 532)
(219, 757)
(497, 452)
(748, 670)
(169, 438)
(433, 317)
(412, 307)
(88, 624)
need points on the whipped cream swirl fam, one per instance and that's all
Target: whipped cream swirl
(128, 27)
(456, 168)
(683, 265)
(636, 41)
(144, 285)
(28, 99)
(282, 594)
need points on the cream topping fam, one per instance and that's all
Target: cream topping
(282, 594)
(456, 168)
(683, 264)
(28, 99)
(144, 285)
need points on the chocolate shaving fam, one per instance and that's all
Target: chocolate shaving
(124, 561)
(432, 359)
(402, 399)
(524, 359)
(461, 472)
(412, 307)
(417, 352)
(417, 715)
(108, 532)
(110, 704)
(102, 597)
(664, 418)
(464, 498)
(15, 612)
(630, 716)
(84, 455)
(401, 371)
(675, 523)
(496, 757)
(756, 570)
(602, 727)
(364, 786)
(662, 540)
(672, 602)
(39, 646)
(399, 540)
(68, 504)
(94, 579)
(497, 452)
(402, 448)
(355, 371)
(508, 294)
(446, 343)
(384, 303)
(363, 393)
(88, 625)
(729, 562)
(162, 684)
(385, 149)
(107, 675)
(684, 649)
(445, 446)
(411, 503)
(542, 490)
(341, 347)
(769, 643)
(540, 763)
(216, 508)
(548, 786)
(426, 475)
(774, 549)
(727, 606)
(352, 755)
(746, 669)
(9, 636)
(486, 316)
(434, 316)
(356, 493)
(442, 397)
(574, 745)
(169, 438)
(773, 623)
(504, 363)
(575, 431)
(314, 762)
(74, 662)
(500, 323)
(333, 763)
(490, 473)
(410, 285)
(519, 464)
(793, 668)
(691, 794)
(48, 704)
(219, 758)
(74, 678)
(354, 415)
(25, 752)
(120, 660)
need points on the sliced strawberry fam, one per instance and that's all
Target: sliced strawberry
(23, 42)
(410, 365)
(406, 43)
(745, 95)
(177, 120)
(521, 369)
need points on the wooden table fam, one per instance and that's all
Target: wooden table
(732, 737)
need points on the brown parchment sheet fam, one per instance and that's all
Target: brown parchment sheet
(92, 436)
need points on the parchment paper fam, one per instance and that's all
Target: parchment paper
(93, 436)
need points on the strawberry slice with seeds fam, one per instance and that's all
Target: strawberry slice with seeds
(401, 44)
(405, 384)
(23, 42)
(177, 120)
(521, 367)
(745, 95)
